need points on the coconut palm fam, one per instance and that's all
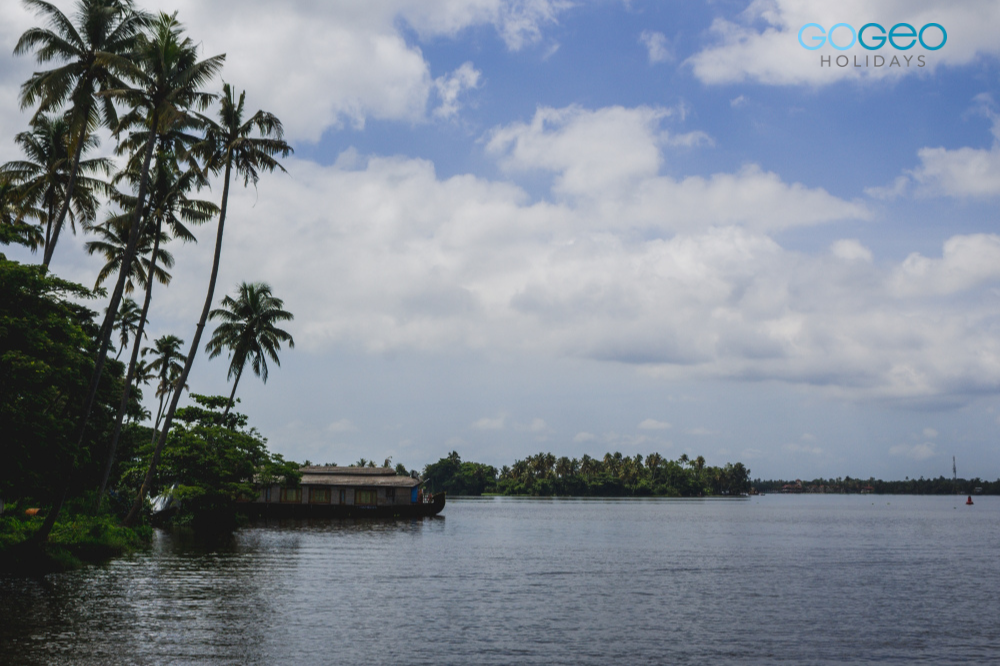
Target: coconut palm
(112, 242)
(248, 332)
(126, 323)
(161, 84)
(43, 177)
(230, 146)
(166, 366)
(168, 207)
(102, 29)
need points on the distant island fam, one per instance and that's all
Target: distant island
(612, 475)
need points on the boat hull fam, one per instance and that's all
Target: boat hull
(336, 511)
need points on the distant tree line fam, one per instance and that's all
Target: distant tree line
(939, 486)
(613, 475)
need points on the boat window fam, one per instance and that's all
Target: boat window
(390, 494)
(291, 494)
(366, 496)
(319, 495)
(343, 496)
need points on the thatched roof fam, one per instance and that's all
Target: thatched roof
(312, 479)
(349, 471)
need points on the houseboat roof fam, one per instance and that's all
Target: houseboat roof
(348, 471)
(355, 476)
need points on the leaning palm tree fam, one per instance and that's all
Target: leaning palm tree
(248, 332)
(162, 87)
(166, 367)
(150, 259)
(102, 29)
(43, 177)
(169, 207)
(229, 147)
(127, 324)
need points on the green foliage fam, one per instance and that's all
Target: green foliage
(939, 486)
(455, 477)
(76, 539)
(47, 351)
(215, 460)
(614, 475)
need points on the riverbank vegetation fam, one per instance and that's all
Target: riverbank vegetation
(939, 486)
(612, 475)
(71, 410)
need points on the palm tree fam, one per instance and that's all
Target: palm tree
(229, 146)
(166, 78)
(104, 29)
(126, 323)
(248, 332)
(43, 177)
(13, 213)
(112, 242)
(169, 206)
(165, 366)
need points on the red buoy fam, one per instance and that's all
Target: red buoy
(969, 501)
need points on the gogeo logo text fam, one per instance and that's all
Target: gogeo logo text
(873, 36)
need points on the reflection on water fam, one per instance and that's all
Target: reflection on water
(501, 581)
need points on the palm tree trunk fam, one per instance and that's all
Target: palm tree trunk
(48, 229)
(105, 335)
(127, 391)
(61, 218)
(232, 395)
(159, 415)
(133, 514)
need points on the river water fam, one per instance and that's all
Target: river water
(776, 579)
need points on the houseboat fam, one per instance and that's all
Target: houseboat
(347, 492)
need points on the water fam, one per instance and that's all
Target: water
(801, 579)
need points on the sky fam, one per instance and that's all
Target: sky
(513, 226)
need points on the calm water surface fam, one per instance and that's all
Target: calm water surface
(511, 581)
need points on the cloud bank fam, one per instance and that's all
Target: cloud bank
(680, 278)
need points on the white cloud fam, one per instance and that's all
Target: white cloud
(611, 157)
(450, 87)
(961, 172)
(343, 425)
(584, 437)
(657, 46)
(914, 451)
(537, 425)
(589, 149)
(762, 43)
(889, 192)
(321, 65)
(738, 102)
(966, 261)
(803, 448)
(851, 250)
(487, 423)
(653, 424)
(930, 433)
(701, 432)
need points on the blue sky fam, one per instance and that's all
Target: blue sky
(523, 225)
